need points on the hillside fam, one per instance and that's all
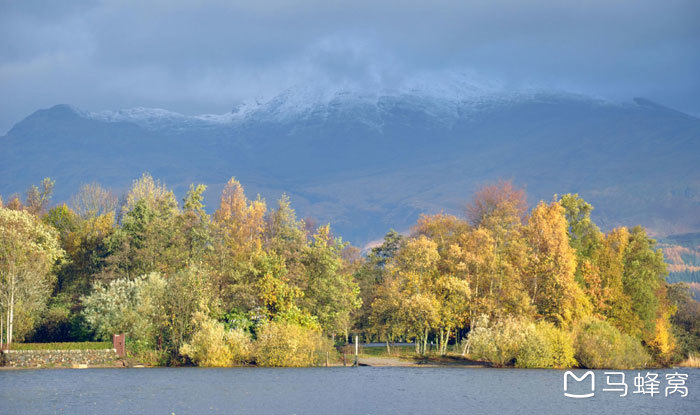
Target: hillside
(370, 162)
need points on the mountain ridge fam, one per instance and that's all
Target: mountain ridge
(370, 162)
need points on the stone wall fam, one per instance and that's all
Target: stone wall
(57, 358)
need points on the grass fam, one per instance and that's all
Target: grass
(62, 346)
(396, 351)
(692, 361)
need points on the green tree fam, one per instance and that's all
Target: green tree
(329, 294)
(644, 275)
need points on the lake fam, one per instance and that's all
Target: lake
(337, 390)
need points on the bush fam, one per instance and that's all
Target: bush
(499, 342)
(212, 345)
(545, 346)
(599, 345)
(124, 306)
(286, 344)
(523, 343)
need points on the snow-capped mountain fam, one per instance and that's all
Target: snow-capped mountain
(449, 98)
(371, 159)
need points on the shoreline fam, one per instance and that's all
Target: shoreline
(378, 362)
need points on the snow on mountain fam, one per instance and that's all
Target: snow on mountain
(443, 96)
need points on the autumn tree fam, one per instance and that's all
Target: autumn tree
(551, 267)
(38, 197)
(286, 236)
(412, 272)
(237, 240)
(28, 252)
(92, 201)
(499, 210)
(377, 319)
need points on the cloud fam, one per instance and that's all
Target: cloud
(206, 56)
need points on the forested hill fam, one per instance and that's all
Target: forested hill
(370, 162)
(682, 253)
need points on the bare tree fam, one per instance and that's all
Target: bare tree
(93, 200)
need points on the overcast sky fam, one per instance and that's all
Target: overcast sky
(206, 56)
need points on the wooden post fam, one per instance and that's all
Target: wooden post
(327, 353)
(344, 358)
(357, 351)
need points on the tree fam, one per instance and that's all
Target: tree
(584, 235)
(152, 192)
(38, 198)
(28, 252)
(93, 200)
(500, 210)
(499, 204)
(237, 242)
(472, 257)
(147, 240)
(551, 267)
(194, 223)
(644, 276)
(329, 294)
(370, 278)
(286, 237)
(414, 269)
(187, 292)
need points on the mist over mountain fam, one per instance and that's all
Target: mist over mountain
(368, 161)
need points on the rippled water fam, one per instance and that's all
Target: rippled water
(364, 390)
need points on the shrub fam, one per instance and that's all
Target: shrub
(519, 341)
(599, 345)
(498, 342)
(287, 344)
(545, 346)
(212, 345)
(124, 306)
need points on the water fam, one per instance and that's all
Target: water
(364, 390)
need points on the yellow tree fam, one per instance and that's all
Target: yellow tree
(441, 228)
(500, 210)
(29, 250)
(551, 267)
(472, 257)
(415, 268)
(237, 243)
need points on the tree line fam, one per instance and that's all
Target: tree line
(252, 284)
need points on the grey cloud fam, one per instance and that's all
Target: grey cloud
(205, 56)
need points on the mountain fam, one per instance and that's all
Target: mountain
(370, 161)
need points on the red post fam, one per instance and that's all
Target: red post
(119, 343)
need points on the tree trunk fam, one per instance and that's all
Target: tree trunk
(10, 324)
(447, 340)
(425, 340)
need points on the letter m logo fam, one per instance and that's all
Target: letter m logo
(579, 379)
